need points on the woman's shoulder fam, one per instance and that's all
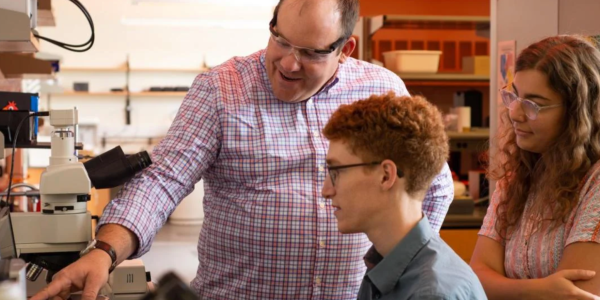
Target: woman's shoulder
(591, 178)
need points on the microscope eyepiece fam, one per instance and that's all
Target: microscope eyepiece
(113, 168)
(139, 161)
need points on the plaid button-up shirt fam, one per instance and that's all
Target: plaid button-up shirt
(267, 232)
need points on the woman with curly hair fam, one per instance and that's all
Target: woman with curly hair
(540, 238)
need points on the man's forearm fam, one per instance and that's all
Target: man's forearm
(123, 240)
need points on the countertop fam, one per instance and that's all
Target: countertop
(465, 221)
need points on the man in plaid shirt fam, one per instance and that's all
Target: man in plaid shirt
(251, 128)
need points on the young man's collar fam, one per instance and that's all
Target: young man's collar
(386, 273)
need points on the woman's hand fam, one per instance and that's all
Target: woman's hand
(560, 286)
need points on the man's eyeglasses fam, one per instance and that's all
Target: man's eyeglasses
(303, 54)
(530, 108)
(334, 171)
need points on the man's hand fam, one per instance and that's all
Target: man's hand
(560, 285)
(89, 274)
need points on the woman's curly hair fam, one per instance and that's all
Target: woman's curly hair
(572, 66)
(407, 130)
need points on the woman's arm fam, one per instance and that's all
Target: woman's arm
(583, 256)
(488, 263)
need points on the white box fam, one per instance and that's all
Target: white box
(412, 61)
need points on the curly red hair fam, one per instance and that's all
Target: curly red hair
(407, 130)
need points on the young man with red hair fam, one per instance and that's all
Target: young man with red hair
(383, 154)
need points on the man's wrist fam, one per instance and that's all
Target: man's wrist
(104, 247)
(101, 257)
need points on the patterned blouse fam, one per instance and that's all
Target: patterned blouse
(536, 247)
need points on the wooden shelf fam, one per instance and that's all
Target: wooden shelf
(436, 22)
(159, 94)
(124, 69)
(25, 46)
(119, 69)
(85, 94)
(31, 76)
(121, 94)
(25, 66)
(443, 77)
(15, 33)
(174, 70)
(45, 15)
(479, 134)
(412, 83)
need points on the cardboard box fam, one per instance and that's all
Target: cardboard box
(477, 65)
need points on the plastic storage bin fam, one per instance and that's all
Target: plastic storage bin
(412, 61)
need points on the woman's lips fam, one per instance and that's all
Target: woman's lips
(520, 132)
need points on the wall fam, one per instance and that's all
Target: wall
(181, 37)
(579, 17)
(527, 21)
(176, 35)
(524, 21)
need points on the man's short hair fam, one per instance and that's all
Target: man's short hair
(407, 130)
(349, 10)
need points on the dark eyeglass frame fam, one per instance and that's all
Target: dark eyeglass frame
(332, 48)
(340, 167)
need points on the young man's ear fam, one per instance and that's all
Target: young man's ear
(347, 49)
(390, 174)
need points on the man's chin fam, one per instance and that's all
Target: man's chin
(347, 230)
(288, 98)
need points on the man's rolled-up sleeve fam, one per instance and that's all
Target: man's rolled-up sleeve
(438, 198)
(190, 147)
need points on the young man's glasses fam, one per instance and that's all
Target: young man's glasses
(530, 108)
(303, 54)
(334, 171)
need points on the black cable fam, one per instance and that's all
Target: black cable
(88, 45)
(14, 147)
(68, 46)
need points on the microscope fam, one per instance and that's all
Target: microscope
(52, 239)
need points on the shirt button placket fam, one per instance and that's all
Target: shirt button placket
(321, 223)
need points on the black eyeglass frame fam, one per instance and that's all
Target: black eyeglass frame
(340, 167)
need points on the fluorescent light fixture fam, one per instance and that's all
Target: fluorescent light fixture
(226, 24)
(247, 3)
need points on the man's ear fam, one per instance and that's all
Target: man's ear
(347, 49)
(390, 174)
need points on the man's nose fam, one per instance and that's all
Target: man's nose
(291, 61)
(328, 191)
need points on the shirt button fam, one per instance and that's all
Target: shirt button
(322, 205)
(318, 280)
(315, 133)
(321, 168)
(322, 243)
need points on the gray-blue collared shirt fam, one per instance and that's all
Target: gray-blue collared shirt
(421, 266)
